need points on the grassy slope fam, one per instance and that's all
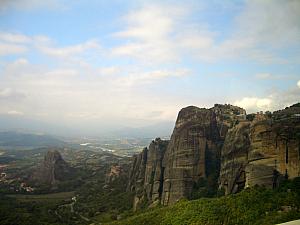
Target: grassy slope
(53, 197)
(252, 206)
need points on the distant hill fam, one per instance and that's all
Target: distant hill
(11, 139)
(95, 129)
(163, 129)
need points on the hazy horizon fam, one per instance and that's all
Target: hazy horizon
(96, 67)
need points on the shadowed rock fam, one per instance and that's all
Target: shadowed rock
(52, 170)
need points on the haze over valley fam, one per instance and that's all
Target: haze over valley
(149, 112)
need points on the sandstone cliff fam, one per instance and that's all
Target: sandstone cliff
(234, 158)
(167, 172)
(262, 152)
(195, 139)
(146, 175)
(217, 146)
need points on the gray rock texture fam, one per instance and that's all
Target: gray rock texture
(221, 146)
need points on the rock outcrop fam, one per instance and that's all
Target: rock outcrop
(146, 175)
(220, 146)
(167, 172)
(52, 170)
(234, 158)
(154, 174)
(114, 173)
(195, 139)
(262, 152)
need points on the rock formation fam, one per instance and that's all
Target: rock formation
(146, 175)
(167, 172)
(234, 158)
(52, 170)
(262, 152)
(195, 138)
(218, 145)
(114, 173)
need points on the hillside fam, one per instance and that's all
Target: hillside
(251, 206)
(20, 140)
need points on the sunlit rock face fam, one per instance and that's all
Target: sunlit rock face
(195, 148)
(195, 138)
(275, 145)
(262, 152)
(221, 145)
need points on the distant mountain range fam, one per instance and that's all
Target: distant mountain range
(20, 140)
(163, 129)
(26, 125)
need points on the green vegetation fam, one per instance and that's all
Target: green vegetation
(47, 205)
(22, 210)
(103, 203)
(257, 205)
(53, 197)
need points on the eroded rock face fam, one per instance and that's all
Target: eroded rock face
(167, 172)
(52, 170)
(193, 153)
(137, 175)
(218, 144)
(114, 173)
(154, 175)
(227, 115)
(234, 158)
(146, 176)
(194, 148)
(269, 154)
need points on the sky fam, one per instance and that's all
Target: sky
(100, 65)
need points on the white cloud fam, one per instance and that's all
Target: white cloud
(139, 77)
(260, 32)
(254, 104)
(115, 95)
(156, 33)
(109, 70)
(15, 113)
(149, 33)
(270, 76)
(5, 92)
(11, 94)
(14, 38)
(271, 22)
(195, 40)
(276, 100)
(263, 76)
(69, 50)
(11, 49)
(73, 89)
(61, 72)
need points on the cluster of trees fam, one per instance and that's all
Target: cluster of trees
(257, 205)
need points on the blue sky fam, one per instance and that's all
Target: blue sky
(135, 63)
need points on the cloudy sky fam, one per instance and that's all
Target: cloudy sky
(134, 63)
